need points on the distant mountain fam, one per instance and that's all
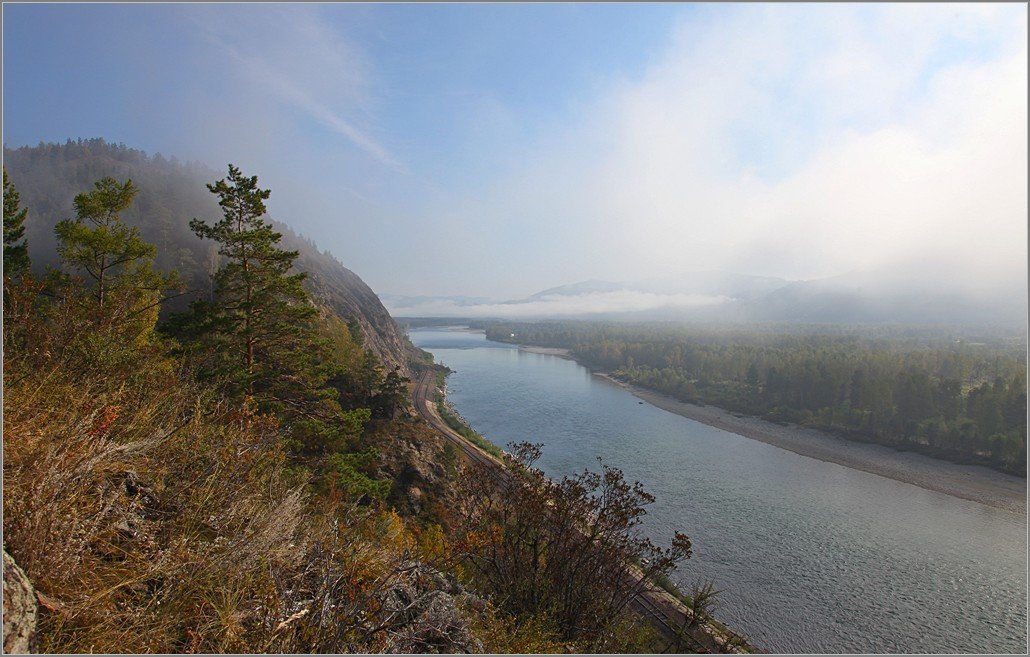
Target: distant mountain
(882, 296)
(709, 295)
(48, 177)
(716, 283)
(585, 287)
(870, 297)
(403, 301)
(702, 283)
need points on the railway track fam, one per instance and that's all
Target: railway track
(669, 616)
(422, 398)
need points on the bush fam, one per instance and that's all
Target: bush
(559, 549)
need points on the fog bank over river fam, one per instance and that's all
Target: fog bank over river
(810, 556)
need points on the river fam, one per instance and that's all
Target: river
(809, 556)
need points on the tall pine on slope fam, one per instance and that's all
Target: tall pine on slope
(48, 176)
(16, 256)
(258, 336)
(259, 318)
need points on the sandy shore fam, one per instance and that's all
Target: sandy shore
(968, 482)
(547, 351)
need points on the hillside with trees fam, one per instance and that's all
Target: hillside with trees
(170, 194)
(241, 472)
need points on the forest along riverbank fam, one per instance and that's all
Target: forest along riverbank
(968, 482)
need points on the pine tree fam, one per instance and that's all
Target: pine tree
(259, 320)
(391, 395)
(126, 289)
(16, 256)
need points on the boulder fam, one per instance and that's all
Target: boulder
(20, 609)
(430, 606)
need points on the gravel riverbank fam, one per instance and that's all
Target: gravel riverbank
(970, 482)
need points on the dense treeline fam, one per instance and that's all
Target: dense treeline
(241, 476)
(47, 173)
(957, 396)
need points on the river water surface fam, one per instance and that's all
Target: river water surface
(810, 556)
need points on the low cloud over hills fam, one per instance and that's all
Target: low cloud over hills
(862, 297)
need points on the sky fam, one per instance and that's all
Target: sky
(496, 150)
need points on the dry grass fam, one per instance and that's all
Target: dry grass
(154, 517)
(138, 517)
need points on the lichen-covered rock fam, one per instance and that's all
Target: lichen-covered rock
(20, 609)
(429, 610)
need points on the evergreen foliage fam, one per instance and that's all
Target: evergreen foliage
(171, 192)
(258, 322)
(391, 395)
(124, 286)
(259, 336)
(16, 253)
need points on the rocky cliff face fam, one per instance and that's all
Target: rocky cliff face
(343, 291)
(171, 193)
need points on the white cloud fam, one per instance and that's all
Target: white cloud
(294, 56)
(796, 141)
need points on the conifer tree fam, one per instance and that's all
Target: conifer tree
(125, 287)
(16, 256)
(258, 334)
(260, 318)
(391, 395)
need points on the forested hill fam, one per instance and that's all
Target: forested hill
(48, 177)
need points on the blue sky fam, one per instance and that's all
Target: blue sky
(499, 149)
(429, 73)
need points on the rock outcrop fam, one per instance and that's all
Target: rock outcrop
(20, 609)
(413, 457)
(343, 291)
(429, 606)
